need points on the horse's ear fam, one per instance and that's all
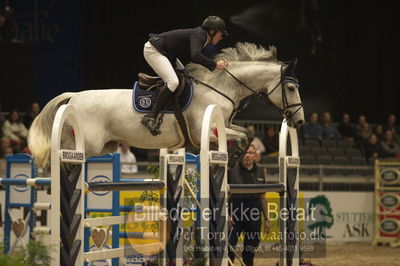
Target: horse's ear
(289, 69)
(293, 63)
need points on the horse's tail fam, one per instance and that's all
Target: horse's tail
(39, 139)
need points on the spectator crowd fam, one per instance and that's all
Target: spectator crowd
(378, 141)
(373, 141)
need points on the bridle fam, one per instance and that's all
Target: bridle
(284, 111)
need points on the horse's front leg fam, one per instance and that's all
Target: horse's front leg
(231, 135)
(242, 139)
(238, 128)
(250, 134)
(236, 135)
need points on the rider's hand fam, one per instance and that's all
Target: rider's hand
(221, 65)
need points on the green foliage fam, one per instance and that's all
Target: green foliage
(34, 254)
(197, 254)
(154, 170)
(149, 196)
(192, 178)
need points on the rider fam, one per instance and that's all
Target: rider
(162, 51)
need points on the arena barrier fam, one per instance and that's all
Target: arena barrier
(68, 246)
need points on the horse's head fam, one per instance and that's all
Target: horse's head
(255, 70)
(285, 95)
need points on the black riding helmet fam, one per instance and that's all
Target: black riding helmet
(214, 23)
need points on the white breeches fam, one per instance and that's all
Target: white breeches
(161, 66)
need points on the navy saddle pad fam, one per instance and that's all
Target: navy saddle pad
(143, 100)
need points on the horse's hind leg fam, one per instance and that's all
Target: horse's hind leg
(95, 141)
(110, 147)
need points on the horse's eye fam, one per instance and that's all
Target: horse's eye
(291, 86)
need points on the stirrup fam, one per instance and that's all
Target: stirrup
(155, 129)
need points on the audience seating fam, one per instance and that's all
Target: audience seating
(271, 160)
(325, 160)
(319, 151)
(350, 152)
(360, 161)
(328, 152)
(311, 143)
(308, 160)
(327, 143)
(345, 144)
(336, 152)
(303, 151)
(342, 160)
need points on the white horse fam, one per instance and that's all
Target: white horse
(108, 118)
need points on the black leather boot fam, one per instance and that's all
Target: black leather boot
(150, 119)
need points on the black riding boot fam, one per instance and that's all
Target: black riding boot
(150, 119)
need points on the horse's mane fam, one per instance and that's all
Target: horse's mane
(242, 52)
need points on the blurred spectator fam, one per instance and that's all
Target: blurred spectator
(4, 144)
(329, 131)
(346, 129)
(15, 130)
(360, 123)
(391, 125)
(363, 135)
(372, 147)
(271, 140)
(256, 140)
(389, 147)
(3, 162)
(128, 160)
(378, 131)
(33, 112)
(258, 157)
(8, 151)
(312, 129)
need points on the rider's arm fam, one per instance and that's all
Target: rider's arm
(196, 52)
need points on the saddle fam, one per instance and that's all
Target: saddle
(148, 83)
